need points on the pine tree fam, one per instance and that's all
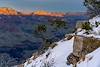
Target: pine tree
(93, 7)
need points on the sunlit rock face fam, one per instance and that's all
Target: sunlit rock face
(8, 11)
(46, 13)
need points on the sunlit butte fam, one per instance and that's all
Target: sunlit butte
(8, 11)
(46, 13)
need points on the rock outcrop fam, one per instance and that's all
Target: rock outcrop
(82, 46)
(8, 11)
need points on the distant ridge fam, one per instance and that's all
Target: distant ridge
(11, 11)
(46, 13)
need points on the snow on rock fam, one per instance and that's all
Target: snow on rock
(95, 24)
(95, 19)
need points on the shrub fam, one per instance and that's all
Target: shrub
(86, 26)
(59, 23)
(41, 28)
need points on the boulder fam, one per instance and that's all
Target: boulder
(82, 46)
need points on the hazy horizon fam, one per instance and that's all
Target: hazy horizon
(48, 5)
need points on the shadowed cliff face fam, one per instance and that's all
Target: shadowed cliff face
(19, 39)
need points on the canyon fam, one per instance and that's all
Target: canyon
(18, 36)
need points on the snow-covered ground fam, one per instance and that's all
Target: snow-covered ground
(92, 59)
(57, 56)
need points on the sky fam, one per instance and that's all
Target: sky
(48, 5)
